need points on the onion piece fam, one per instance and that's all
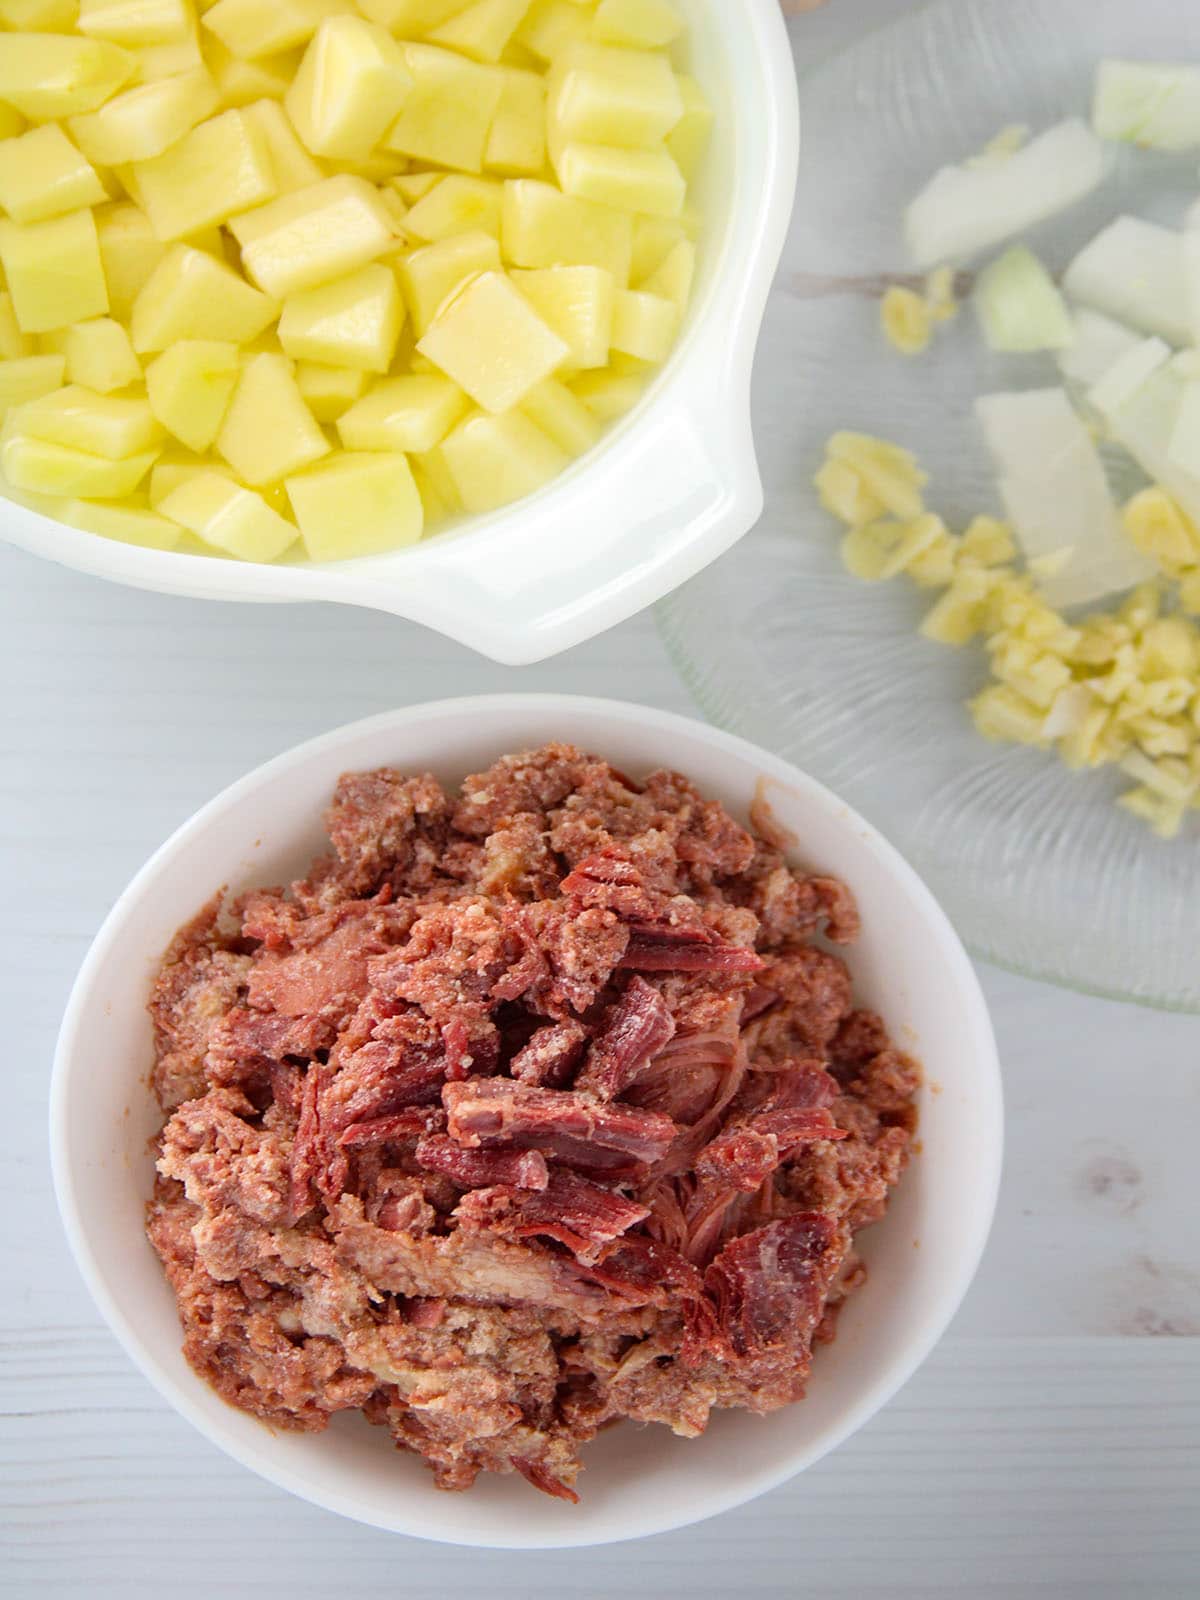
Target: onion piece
(1099, 343)
(1142, 418)
(1019, 307)
(1149, 103)
(1140, 274)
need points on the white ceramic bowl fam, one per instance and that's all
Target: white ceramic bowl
(266, 829)
(669, 489)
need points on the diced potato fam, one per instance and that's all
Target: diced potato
(436, 482)
(411, 413)
(42, 467)
(482, 30)
(358, 504)
(411, 186)
(608, 395)
(129, 253)
(174, 467)
(349, 88)
(100, 356)
(430, 275)
(353, 322)
(291, 163)
(600, 95)
(379, 167)
(53, 271)
(25, 378)
(577, 302)
(39, 16)
(46, 75)
(539, 227)
(220, 168)
(630, 180)
(42, 175)
(134, 22)
(447, 117)
(645, 24)
(516, 144)
(250, 28)
(241, 82)
(456, 205)
(550, 26)
(436, 508)
(562, 416)
(409, 19)
(229, 517)
(313, 235)
(11, 121)
(125, 523)
(13, 343)
(489, 339)
(673, 278)
(189, 388)
(495, 460)
(688, 139)
(644, 325)
(653, 240)
(144, 121)
(171, 59)
(268, 431)
(189, 295)
(329, 391)
(101, 424)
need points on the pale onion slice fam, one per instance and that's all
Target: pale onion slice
(1142, 416)
(1099, 343)
(1019, 307)
(1149, 103)
(1137, 272)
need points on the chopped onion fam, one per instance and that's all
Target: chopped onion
(1127, 375)
(1099, 343)
(1148, 103)
(1139, 273)
(1019, 307)
(1183, 448)
(1143, 422)
(964, 210)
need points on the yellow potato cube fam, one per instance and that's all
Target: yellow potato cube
(11, 121)
(673, 278)
(353, 322)
(411, 186)
(268, 431)
(25, 378)
(645, 24)
(129, 253)
(291, 163)
(456, 205)
(539, 227)
(242, 82)
(447, 117)
(189, 295)
(653, 240)
(329, 391)
(600, 95)
(436, 508)
(411, 413)
(229, 517)
(42, 175)
(134, 22)
(608, 395)
(221, 167)
(189, 388)
(172, 59)
(630, 180)
(53, 271)
(431, 275)
(495, 460)
(688, 139)
(13, 343)
(409, 19)
(39, 16)
(482, 30)
(127, 524)
(313, 235)
(516, 144)
(100, 356)
(644, 325)
(349, 88)
(562, 416)
(45, 75)
(577, 302)
(490, 340)
(250, 28)
(174, 467)
(42, 467)
(358, 504)
(101, 424)
(142, 122)
(550, 26)
(435, 482)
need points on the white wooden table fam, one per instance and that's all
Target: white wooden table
(1053, 1441)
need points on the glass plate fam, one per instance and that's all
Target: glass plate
(1038, 868)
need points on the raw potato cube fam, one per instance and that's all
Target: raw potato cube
(42, 175)
(608, 395)
(645, 24)
(540, 227)
(42, 467)
(28, 378)
(456, 205)
(128, 524)
(291, 163)
(436, 508)
(175, 467)
(53, 271)
(411, 186)
(599, 95)
(45, 75)
(482, 30)
(630, 180)
(550, 26)
(11, 121)
(447, 117)
(171, 59)
(350, 86)
(268, 431)
(410, 18)
(39, 16)
(329, 391)
(653, 240)
(429, 276)
(354, 322)
(314, 235)
(228, 517)
(436, 483)
(577, 302)
(189, 388)
(100, 356)
(495, 460)
(242, 82)
(359, 504)
(129, 253)
(562, 416)
(673, 278)
(143, 122)
(101, 424)
(644, 325)
(516, 144)
(250, 28)
(134, 22)
(411, 413)
(688, 139)
(13, 343)
(189, 295)
(492, 343)
(218, 169)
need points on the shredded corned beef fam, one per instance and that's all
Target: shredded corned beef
(534, 1107)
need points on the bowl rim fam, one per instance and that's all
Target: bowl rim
(981, 1047)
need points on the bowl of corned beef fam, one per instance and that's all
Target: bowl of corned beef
(527, 1121)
